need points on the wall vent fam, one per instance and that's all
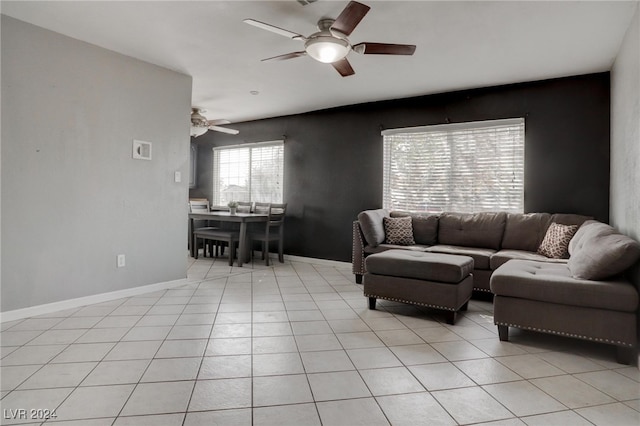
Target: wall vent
(141, 150)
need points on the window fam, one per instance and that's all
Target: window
(466, 167)
(249, 172)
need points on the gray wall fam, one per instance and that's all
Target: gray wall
(333, 158)
(72, 196)
(625, 134)
(625, 140)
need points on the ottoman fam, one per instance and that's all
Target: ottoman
(434, 280)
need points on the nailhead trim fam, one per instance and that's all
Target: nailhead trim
(560, 333)
(411, 302)
(358, 234)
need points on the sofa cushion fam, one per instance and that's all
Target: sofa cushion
(525, 231)
(575, 241)
(503, 256)
(569, 219)
(423, 266)
(384, 247)
(472, 229)
(556, 241)
(371, 225)
(481, 256)
(552, 282)
(425, 226)
(601, 252)
(398, 230)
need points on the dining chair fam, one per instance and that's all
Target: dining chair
(245, 207)
(258, 228)
(273, 229)
(201, 205)
(261, 208)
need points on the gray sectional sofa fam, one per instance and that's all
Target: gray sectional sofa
(585, 295)
(491, 239)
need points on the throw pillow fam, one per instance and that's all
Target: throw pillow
(398, 230)
(600, 252)
(556, 241)
(425, 226)
(372, 227)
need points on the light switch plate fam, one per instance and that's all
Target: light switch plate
(177, 177)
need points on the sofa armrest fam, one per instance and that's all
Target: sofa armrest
(357, 253)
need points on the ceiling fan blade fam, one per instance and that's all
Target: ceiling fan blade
(286, 56)
(384, 49)
(350, 17)
(274, 29)
(343, 67)
(224, 130)
(219, 121)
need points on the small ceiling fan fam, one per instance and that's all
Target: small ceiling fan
(200, 124)
(330, 44)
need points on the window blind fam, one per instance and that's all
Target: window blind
(249, 172)
(462, 167)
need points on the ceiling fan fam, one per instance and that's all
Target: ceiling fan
(200, 124)
(330, 44)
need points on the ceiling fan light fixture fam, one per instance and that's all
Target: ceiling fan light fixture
(330, 44)
(327, 49)
(198, 131)
(199, 124)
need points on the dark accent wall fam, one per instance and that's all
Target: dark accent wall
(333, 157)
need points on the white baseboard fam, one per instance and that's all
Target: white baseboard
(48, 308)
(326, 262)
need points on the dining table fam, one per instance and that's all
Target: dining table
(225, 216)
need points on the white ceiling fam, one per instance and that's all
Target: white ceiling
(459, 45)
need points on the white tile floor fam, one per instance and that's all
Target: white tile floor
(295, 344)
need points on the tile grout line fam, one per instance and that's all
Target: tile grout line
(309, 282)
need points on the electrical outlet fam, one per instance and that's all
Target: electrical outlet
(120, 259)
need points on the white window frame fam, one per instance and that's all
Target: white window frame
(217, 196)
(440, 182)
